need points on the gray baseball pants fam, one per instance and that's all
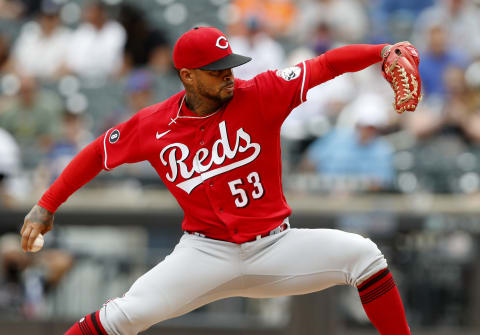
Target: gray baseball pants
(201, 270)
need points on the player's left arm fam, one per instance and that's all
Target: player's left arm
(278, 92)
(399, 68)
(351, 58)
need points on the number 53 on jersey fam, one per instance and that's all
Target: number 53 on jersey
(242, 198)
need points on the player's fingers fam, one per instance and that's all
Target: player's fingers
(31, 238)
(25, 235)
(25, 225)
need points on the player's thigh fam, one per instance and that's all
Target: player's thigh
(191, 273)
(309, 260)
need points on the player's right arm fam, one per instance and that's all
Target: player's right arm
(117, 146)
(84, 167)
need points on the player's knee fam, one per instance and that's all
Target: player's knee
(116, 321)
(368, 260)
(131, 314)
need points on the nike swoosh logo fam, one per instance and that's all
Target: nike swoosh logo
(158, 136)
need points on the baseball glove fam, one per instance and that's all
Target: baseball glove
(400, 69)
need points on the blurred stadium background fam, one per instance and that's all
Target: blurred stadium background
(71, 69)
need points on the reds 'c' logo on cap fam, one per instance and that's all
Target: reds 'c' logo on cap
(219, 42)
(205, 48)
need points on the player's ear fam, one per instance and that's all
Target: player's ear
(186, 75)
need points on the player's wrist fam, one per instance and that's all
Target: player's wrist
(44, 209)
(385, 50)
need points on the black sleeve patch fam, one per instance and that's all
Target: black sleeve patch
(114, 136)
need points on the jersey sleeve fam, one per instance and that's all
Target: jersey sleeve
(282, 90)
(83, 168)
(121, 144)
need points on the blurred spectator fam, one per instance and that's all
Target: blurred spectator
(4, 54)
(139, 88)
(30, 7)
(278, 16)
(266, 53)
(357, 153)
(74, 135)
(145, 45)
(322, 38)
(347, 18)
(26, 279)
(32, 117)
(392, 20)
(436, 59)
(412, 6)
(9, 166)
(11, 9)
(18, 9)
(96, 46)
(41, 48)
(5, 68)
(461, 105)
(313, 118)
(456, 118)
(461, 20)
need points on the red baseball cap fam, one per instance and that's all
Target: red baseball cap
(205, 48)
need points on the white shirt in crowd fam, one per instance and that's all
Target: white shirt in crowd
(348, 19)
(463, 26)
(9, 153)
(266, 53)
(96, 53)
(40, 55)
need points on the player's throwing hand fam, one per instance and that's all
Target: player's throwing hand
(38, 221)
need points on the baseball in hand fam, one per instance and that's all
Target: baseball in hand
(37, 244)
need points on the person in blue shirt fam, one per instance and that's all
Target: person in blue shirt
(357, 153)
(436, 59)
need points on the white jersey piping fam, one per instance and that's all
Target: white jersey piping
(303, 81)
(105, 148)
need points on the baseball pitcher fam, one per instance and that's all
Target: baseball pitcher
(216, 146)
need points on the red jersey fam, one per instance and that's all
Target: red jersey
(224, 168)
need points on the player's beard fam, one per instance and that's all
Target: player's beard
(218, 97)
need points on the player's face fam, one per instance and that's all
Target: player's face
(214, 85)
